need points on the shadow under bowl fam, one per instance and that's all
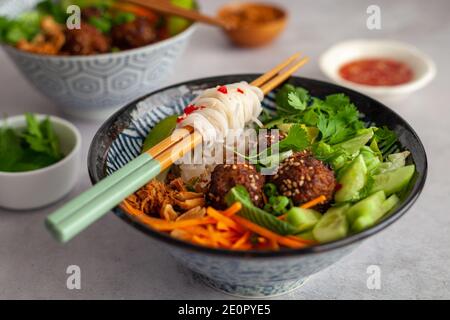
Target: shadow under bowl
(246, 273)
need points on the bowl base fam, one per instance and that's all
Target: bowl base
(258, 291)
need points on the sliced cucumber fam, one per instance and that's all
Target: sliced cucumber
(393, 181)
(307, 235)
(332, 226)
(389, 204)
(353, 180)
(367, 206)
(303, 219)
(369, 219)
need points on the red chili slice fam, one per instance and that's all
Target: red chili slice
(190, 108)
(223, 89)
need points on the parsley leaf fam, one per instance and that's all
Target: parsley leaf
(296, 140)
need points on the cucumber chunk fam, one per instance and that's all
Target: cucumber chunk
(306, 235)
(367, 220)
(332, 226)
(393, 181)
(389, 204)
(353, 180)
(368, 206)
(303, 219)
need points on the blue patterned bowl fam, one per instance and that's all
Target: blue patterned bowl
(251, 273)
(93, 87)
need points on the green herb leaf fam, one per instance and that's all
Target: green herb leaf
(102, 24)
(255, 214)
(296, 140)
(37, 147)
(123, 17)
(10, 148)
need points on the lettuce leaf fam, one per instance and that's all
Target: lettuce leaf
(257, 215)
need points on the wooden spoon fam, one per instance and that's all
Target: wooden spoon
(165, 6)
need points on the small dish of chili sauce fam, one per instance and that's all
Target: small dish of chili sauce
(377, 72)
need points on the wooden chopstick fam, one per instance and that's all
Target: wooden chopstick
(276, 81)
(80, 212)
(193, 15)
(271, 73)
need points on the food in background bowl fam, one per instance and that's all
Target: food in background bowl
(40, 159)
(383, 69)
(35, 147)
(245, 272)
(105, 26)
(377, 72)
(254, 24)
(94, 86)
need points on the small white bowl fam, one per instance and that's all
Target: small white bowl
(423, 67)
(38, 188)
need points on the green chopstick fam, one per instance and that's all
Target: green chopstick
(88, 207)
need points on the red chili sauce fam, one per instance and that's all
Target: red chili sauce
(376, 72)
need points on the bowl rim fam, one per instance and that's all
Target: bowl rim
(72, 153)
(400, 211)
(415, 84)
(109, 55)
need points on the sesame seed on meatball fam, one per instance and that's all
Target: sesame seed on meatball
(226, 176)
(303, 178)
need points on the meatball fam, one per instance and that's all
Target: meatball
(303, 178)
(137, 33)
(226, 176)
(85, 41)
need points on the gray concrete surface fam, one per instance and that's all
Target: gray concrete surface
(120, 263)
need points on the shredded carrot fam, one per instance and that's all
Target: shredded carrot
(222, 226)
(314, 202)
(290, 243)
(303, 240)
(235, 208)
(242, 240)
(223, 229)
(226, 220)
(274, 245)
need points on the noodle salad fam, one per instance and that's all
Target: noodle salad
(319, 173)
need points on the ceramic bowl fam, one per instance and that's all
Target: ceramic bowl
(93, 87)
(251, 273)
(422, 66)
(38, 188)
(254, 35)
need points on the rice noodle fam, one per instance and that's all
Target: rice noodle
(223, 108)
